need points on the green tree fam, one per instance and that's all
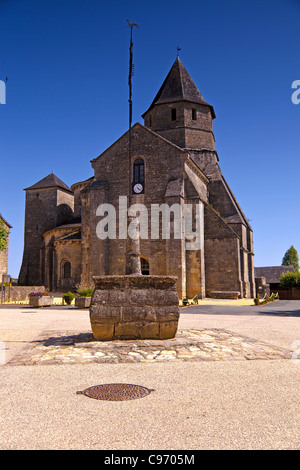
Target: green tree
(291, 258)
(290, 279)
(3, 236)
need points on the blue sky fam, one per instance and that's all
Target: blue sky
(67, 96)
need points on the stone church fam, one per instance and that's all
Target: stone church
(173, 161)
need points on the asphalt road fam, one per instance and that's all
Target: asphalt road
(284, 308)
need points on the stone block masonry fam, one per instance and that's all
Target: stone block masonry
(19, 293)
(178, 166)
(134, 307)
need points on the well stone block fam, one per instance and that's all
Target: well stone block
(100, 313)
(134, 307)
(103, 330)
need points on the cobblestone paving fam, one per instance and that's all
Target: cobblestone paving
(189, 345)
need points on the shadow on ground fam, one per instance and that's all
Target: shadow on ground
(279, 308)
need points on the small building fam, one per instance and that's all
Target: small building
(267, 278)
(4, 253)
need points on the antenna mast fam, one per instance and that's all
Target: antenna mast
(131, 73)
(133, 261)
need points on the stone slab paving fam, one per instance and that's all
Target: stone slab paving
(68, 347)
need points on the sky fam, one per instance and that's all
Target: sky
(66, 63)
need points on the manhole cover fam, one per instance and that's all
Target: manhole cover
(116, 392)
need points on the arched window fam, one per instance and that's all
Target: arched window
(145, 268)
(66, 269)
(138, 171)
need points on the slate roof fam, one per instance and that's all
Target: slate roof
(178, 86)
(50, 181)
(272, 273)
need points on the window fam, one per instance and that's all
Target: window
(173, 114)
(66, 270)
(194, 114)
(145, 267)
(138, 171)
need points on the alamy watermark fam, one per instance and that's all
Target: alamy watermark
(163, 222)
(2, 92)
(296, 94)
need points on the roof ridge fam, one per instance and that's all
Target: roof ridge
(180, 73)
(138, 124)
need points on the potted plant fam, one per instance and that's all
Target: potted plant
(40, 299)
(85, 292)
(68, 297)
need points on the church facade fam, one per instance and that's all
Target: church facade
(173, 162)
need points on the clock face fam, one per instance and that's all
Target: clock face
(138, 188)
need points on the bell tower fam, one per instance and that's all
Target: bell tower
(179, 112)
(49, 203)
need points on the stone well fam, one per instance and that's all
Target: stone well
(134, 307)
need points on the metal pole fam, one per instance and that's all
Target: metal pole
(133, 255)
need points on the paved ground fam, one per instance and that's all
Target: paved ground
(237, 398)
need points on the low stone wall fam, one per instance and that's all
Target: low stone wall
(233, 295)
(19, 293)
(134, 307)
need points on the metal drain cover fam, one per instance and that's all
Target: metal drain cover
(116, 392)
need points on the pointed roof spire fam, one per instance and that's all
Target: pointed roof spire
(178, 86)
(50, 181)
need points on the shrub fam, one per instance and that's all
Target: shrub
(85, 289)
(266, 300)
(290, 279)
(68, 297)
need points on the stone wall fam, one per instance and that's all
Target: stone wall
(222, 270)
(19, 293)
(45, 208)
(69, 250)
(163, 162)
(61, 244)
(184, 131)
(231, 220)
